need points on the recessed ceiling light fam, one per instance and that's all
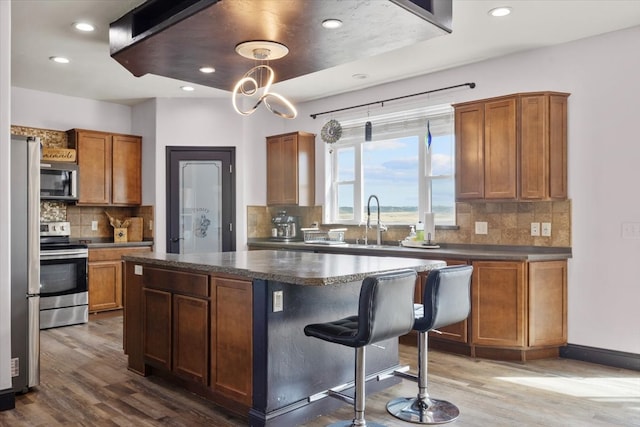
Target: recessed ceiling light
(59, 59)
(187, 88)
(83, 26)
(207, 70)
(331, 24)
(500, 11)
(360, 76)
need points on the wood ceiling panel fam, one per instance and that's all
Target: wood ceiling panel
(207, 32)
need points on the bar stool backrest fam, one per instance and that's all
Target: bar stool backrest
(385, 309)
(446, 298)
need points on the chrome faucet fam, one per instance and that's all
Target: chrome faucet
(379, 227)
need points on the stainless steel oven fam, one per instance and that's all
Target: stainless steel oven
(64, 297)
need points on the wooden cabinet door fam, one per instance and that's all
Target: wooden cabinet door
(470, 152)
(534, 147)
(157, 321)
(191, 337)
(498, 304)
(500, 149)
(291, 169)
(558, 147)
(547, 303)
(126, 170)
(105, 285)
(275, 174)
(93, 151)
(231, 342)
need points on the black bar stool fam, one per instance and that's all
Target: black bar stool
(385, 311)
(446, 300)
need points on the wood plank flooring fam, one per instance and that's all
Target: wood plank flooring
(84, 382)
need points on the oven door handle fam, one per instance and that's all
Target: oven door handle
(63, 254)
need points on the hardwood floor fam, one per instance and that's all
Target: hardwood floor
(84, 382)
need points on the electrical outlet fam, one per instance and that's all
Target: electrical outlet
(94, 225)
(631, 230)
(546, 229)
(277, 301)
(535, 228)
(137, 270)
(481, 227)
(150, 225)
(15, 367)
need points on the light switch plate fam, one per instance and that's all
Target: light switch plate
(546, 229)
(94, 225)
(481, 227)
(277, 301)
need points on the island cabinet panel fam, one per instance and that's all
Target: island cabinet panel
(231, 338)
(157, 328)
(191, 337)
(498, 304)
(133, 319)
(176, 322)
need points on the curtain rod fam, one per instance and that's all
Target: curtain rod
(471, 86)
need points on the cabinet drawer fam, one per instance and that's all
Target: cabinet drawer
(176, 281)
(115, 254)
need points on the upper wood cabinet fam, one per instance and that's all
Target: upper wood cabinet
(512, 147)
(109, 167)
(291, 169)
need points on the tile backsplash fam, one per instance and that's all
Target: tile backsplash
(508, 223)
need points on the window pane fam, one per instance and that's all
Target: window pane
(346, 164)
(390, 170)
(442, 155)
(443, 201)
(345, 202)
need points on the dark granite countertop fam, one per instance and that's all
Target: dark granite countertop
(297, 267)
(448, 251)
(107, 242)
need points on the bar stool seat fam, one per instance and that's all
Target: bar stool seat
(446, 300)
(385, 310)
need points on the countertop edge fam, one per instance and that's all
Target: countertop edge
(421, 265)
(461, 252)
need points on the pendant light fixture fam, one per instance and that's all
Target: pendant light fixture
(256, 83)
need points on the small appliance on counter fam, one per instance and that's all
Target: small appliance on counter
(285, 227)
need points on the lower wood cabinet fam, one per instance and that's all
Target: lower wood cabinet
(518, 311)
(194, 326)
(105, 276)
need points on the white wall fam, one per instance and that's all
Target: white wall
(5, 208)
(197, 122)
(144, 124)
(46, 110)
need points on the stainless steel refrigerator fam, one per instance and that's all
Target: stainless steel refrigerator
(25, 262)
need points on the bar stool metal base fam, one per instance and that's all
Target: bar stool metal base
(426, 411)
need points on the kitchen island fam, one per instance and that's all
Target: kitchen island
(229, 326)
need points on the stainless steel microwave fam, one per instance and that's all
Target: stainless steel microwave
(58, 181)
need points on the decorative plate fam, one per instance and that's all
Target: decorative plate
(331, 131)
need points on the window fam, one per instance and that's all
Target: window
(397, 165)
